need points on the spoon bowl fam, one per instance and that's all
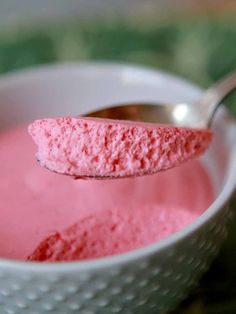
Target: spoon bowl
(198, 115)
(182, 115)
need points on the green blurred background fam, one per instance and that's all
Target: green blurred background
(196, 42)
(199, 48)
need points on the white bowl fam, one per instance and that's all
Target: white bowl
(150, 279)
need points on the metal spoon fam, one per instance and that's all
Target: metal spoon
(198, 115)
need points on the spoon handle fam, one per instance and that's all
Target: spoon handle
(214, 95)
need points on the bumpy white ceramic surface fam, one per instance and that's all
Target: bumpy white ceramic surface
(150, 280)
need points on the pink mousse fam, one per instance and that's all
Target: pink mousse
(92, 147)
(114, 231)
(37, 205)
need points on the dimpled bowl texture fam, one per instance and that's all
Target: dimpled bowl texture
(149, 280)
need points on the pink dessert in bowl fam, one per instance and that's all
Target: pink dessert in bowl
(85, 147)
(55, 218)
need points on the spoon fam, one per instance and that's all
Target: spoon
(91, 147)
(197, 115)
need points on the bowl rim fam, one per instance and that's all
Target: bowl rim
(18, 76)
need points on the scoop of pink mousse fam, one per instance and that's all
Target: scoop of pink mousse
(92, 147)
(112, 232)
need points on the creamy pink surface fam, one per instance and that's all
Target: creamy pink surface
(113, 231)
(93, 147)
(35, 203)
